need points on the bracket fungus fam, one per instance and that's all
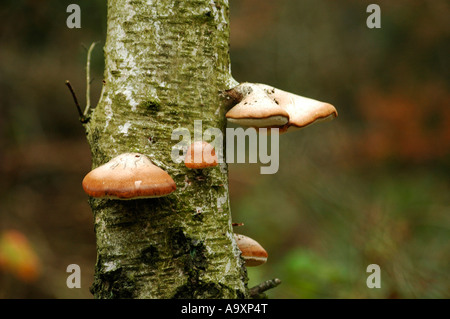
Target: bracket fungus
(200, 155)
(252, 252)
(128, 176)
(261, 105)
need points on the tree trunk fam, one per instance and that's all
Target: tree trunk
(166, 62)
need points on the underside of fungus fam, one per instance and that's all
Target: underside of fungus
(260, 105)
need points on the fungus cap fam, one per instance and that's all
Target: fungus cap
(255, 108)
(200, 155)
(252, 252)
(128, 176)
(302, 111)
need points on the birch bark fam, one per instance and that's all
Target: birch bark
(166, 62)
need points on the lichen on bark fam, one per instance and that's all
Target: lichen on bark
(166, 63)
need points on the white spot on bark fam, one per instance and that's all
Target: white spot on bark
(108, 112)
(228, 267)
(124, 128)
(209, 250)
(110, 266)
(221, 200)
(129, 96)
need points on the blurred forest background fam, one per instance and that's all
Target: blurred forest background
(370, 187)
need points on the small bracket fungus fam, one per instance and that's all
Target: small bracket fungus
(255, 108)
(200, 155)
(128, 176)
(252, 252)
(298, 111)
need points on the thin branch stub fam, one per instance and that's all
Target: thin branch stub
(82, 118)
(256, 291)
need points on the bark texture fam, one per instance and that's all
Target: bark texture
(166, 62)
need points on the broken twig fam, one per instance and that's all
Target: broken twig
(257, 291)
(83, 119)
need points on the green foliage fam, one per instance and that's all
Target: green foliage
(308, 275)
